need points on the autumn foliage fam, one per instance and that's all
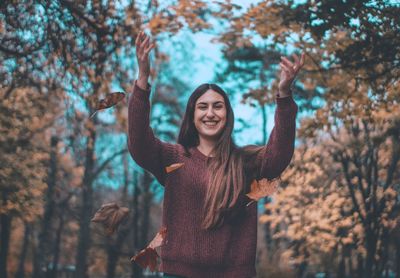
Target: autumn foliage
(335, 209)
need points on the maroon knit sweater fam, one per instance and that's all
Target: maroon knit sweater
(189, 251)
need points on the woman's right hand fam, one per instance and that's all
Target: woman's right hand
(143, 48)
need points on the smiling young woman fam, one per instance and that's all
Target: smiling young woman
(209, 116)
(210, 230)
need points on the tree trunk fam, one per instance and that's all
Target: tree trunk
(136, 270)
(383, 253)
(22, 257)
(341, 271)
(84, 240)
(145, 211)
(268, 232)
(113, 248)
(141, 238)
(57, 245)
(370, 265)
(112, 259)
(301, 269)
(5, 232)
(397, 258)
(351, 271)
(41, 257)
(360, 265)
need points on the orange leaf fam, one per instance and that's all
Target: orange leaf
(148, 256)
(111, 215)
(263, 188)
(173, 167)
(158, 239)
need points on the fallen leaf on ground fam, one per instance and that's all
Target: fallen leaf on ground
(148, 257)
(173, 167)
(111, 215)
(262, 188)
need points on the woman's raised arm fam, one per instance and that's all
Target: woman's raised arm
(148, 151)
(273, 159)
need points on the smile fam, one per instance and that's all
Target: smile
(210, 123)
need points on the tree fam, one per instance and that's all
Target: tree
(353, 69)
(24, 116)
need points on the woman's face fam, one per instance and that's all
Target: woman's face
(210, 115)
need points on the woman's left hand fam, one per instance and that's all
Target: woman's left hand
(289, 71)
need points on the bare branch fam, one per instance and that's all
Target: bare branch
(106, 162)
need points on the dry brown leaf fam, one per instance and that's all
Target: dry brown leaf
(148, 256)
(110, 100)
(262, 188)
(111, 215)
(173, 167)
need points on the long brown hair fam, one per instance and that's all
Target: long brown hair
(229, 180)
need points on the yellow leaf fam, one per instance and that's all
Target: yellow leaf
(173, 167)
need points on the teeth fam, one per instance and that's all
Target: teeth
(210, 123)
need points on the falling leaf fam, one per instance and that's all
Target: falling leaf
(148, 256)
(110, 100)
(262, 188)
(173, 167)
(158, 239)
(111, 215)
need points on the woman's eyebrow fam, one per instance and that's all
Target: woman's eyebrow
(217, 102)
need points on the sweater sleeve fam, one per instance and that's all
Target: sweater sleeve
(146, 150)
(276, 155)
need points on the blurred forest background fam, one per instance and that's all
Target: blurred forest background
(336, 213)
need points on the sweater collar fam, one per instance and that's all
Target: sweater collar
(197, 153)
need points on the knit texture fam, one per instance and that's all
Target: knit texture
(188, 250)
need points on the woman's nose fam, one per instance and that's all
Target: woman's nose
(210, 113)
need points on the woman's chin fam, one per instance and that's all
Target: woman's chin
(210, 135)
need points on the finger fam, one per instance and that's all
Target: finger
(138, 38)
(137, 41)
(287, 69)
(287, 62)
(147, 45)
(296, 60)
(300, 63)
(302, 59)
(142, 36)
(145, 42)
(148, 49)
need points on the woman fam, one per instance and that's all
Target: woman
(210, 230)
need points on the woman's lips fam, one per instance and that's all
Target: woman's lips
(210, 123)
